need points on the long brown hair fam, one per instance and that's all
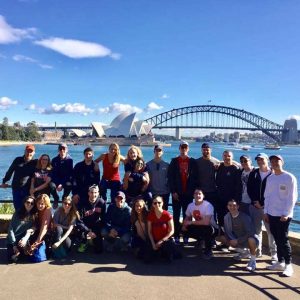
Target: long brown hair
(134, 215)
(73, 213)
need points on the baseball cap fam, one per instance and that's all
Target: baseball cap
(276, 156)
(159, 147)
(94, 187)
(30, 147)
(261, 155)
(62, 145)
(245, 157)
(120, 194)
(183, 143)
(205, 145)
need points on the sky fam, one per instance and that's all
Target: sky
(75, 62)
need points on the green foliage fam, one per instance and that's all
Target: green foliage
(6, 209)
(19, 133)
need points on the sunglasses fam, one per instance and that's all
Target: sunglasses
(158, 150)
(157, 203)
(67, 204)
(29, 202)
(243, 161)
(183, 146)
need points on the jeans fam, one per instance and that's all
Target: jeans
(121, 241)
(18, 197)
(66, 187)
(58, 233)
(180, 205)
(256, 215)
(280, 231)
(113, 185)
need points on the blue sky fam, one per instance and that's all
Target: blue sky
(75, 62)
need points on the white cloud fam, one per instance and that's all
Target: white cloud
(119, 107)
(66, 108)
(31, 107)
(77, 49)
(297, 117)
(23, 58)
(153, 106)
(9, 34)
(165, 96)
(6, 103)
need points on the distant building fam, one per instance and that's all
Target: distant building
(290, 134)
(122, 126)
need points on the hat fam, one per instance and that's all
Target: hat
(94, 187)
(62, 145)
(276, 156)
(120, 194)
(261, 155)
(30, 147)
(182, 143)
(205, 145)
(158, 147)
(245, 156)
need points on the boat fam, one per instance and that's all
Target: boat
(245, 147)
(272, 147)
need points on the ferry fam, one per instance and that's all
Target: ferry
(272, 147)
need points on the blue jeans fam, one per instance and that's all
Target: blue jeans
(18, 197)
(113, 185)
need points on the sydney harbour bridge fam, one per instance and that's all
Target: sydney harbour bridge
(208, 117)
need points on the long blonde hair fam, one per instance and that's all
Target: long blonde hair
(117, 157)
(137, 149)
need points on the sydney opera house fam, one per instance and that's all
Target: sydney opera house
(123, 126)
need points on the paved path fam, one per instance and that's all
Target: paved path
(121, 276)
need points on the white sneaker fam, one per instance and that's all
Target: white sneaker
(274, 258)
(288, 271)
(277, 266)
(251, 265)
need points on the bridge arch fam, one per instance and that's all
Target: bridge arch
(255, 122)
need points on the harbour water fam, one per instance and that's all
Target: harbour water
(290, 154)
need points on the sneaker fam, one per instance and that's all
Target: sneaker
(185, 241)
(207, 255)
(251, 265)
(177, 241)
(222, 248)
(277, 267)
(82, 247)
(274, 258)
(241, 256)
(258, 253)
(288, 271)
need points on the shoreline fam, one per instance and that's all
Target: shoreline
(14, 143)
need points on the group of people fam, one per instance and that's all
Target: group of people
(224, 201)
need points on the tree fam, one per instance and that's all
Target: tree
(31, 132)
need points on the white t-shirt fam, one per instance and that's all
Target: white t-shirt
(198, 211)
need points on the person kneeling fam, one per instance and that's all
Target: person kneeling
(239, 232)
(197, 223)
(116, 232)
(91, 222)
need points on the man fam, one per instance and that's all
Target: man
(23, 168)
(158, 173)
(228, 185)
(92, 220)
(198, 222)
(280, 198)
(182, 175)
(239, 232)
(62, 171)
(256, 188)
(206, 170)
(247, 167)
(85, 174)
(117, 224)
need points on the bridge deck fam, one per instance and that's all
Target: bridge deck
(120, 275)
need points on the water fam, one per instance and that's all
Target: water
(291, 157)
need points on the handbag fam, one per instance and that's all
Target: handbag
(39, 253)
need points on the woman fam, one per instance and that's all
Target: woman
(43, 222)
(140, 239)
(111, 175)
(64, 220)
(41, 178)
(20, 229)
(138, 181)
(160, 230)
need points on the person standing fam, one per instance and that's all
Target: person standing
(206, 169)
(158, 173)
(182, 174)
(228, 185)
(23, 168)
(280, 198)
(62, 171)
(256, 188)
(86, 173)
